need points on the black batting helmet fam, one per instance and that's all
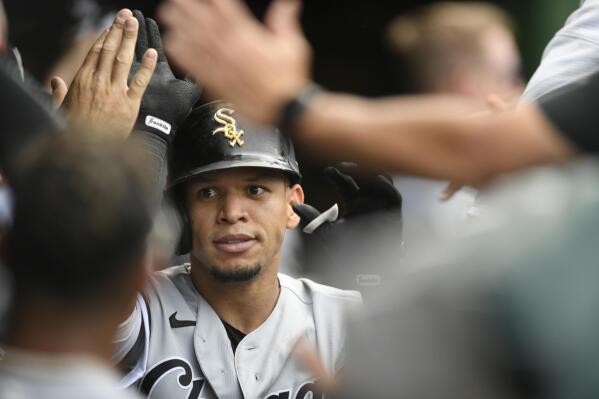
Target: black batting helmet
(213, 138)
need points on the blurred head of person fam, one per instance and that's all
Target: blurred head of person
(458, 48)
(77, 243)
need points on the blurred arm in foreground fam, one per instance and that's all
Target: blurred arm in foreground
(241, 56)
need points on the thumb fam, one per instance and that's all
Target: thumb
(59, 91)
(450, 190)
(282, 17)
(495, 103)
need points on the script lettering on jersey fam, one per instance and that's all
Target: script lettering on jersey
(229, 128)
(302, 393)
(171, 365)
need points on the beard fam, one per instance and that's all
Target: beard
(238, 275)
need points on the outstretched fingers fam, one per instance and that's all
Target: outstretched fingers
(142, 35)
(90, 61)
(112, 43)
(59, 91)
(126, 52)
(142, 77)
(154, 39)
(282, 17)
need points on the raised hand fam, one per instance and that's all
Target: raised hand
(167, 100)
(257, 67)
(100, 97)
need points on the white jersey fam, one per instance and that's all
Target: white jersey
(25, 375)
(186, 352)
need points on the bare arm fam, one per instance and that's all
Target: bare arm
(430, 136)
(395, 133)
(261, 67)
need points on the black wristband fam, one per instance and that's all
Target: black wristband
(294, 108)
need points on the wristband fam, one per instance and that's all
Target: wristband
(294, 108)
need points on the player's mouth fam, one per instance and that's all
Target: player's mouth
(235, 243)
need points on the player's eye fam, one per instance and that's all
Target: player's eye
(255, 191)
(207, 193)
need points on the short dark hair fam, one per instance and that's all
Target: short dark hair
(81, 216)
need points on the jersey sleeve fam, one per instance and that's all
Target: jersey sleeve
(572, 54)
(573, 111)
(131, 343)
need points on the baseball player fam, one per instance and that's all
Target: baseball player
(225, 325)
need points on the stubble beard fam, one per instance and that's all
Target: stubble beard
(240, 274)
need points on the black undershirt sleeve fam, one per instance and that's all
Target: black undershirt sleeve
(574, 111)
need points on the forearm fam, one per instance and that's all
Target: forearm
(397, 134)
(155, 165)
(428, 136)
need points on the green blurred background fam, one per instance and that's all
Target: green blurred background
(537, 22)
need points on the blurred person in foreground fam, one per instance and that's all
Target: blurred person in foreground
(425, 135)
(456, 48)
(507, 310)
(103, 100)
(572, 55)
(76, 255)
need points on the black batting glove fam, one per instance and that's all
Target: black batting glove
(167, 100)
(363, 191)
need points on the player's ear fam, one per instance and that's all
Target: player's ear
(295, 195)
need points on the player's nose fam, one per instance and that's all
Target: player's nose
(232, 209)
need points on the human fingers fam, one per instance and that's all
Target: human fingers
(154, 39)
(282, 17)
(126, 52)
(90, 61)
(497, 104)
(308, 356)
(143, 75)
(59, 91)
(449, 191)
(201, 20)
(232, 11)
(111, 45)
(142, 35)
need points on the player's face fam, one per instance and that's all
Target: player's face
(238, 220)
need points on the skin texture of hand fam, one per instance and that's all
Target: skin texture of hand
(100, 97)
(496, 105)
(256, 66)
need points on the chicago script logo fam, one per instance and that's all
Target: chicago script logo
(185, 378)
